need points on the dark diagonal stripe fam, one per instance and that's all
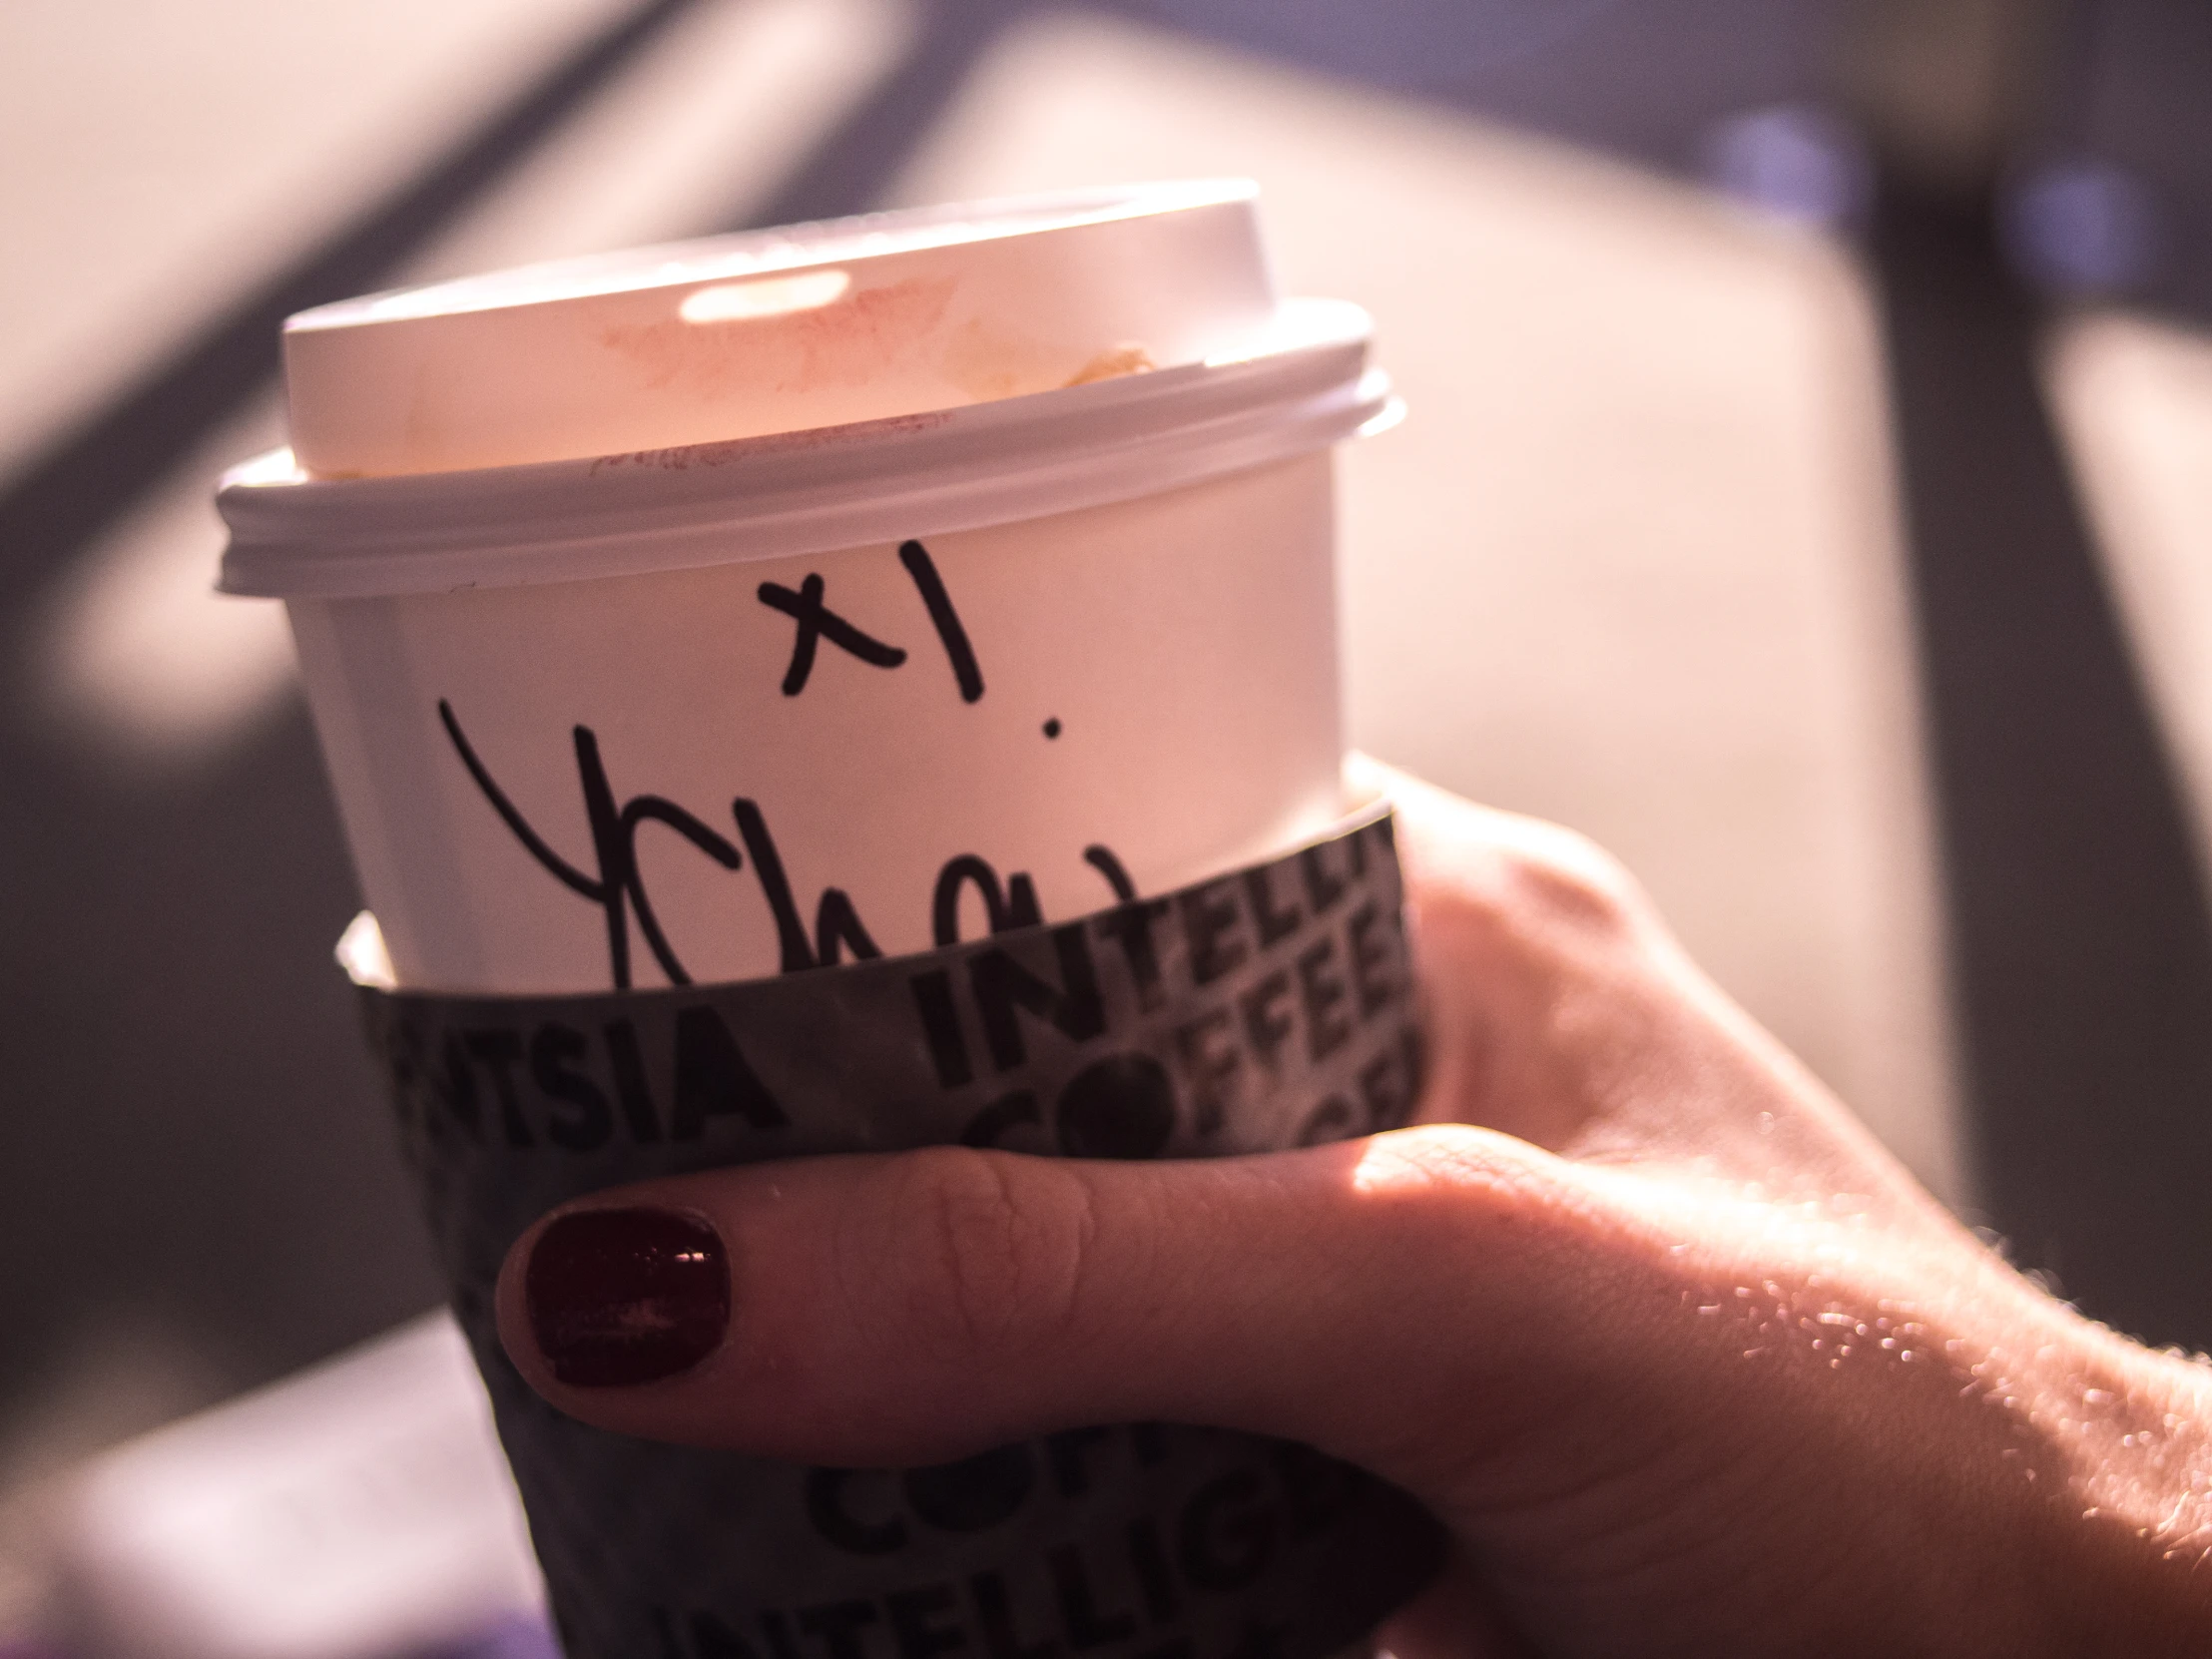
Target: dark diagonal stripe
(849, 171)
(2079, 929)
(84, 479)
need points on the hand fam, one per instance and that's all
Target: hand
(1684, 1361)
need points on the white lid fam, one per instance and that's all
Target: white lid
(1302, 383)
(776, 331)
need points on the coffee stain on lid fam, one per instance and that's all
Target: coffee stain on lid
(849, 343)
(987, 360)
(1112, 364)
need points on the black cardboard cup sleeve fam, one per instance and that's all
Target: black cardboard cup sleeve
(1269, 1009)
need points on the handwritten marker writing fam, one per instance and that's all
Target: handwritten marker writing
(577, 556)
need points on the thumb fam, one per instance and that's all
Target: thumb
(902, 1310)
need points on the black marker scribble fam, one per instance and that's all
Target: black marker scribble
(659, 811)
(1005, 909)
(613, 833)
(943, 617)
(837, 929)
(768, 865)
(1102, 860)
(817, 622)
(567, 872)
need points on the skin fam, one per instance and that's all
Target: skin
(1686, 1362)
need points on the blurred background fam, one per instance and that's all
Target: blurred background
(1807, 493)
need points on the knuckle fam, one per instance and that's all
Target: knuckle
(1000, 1248)
(1562, 876)
(1536, 886)
(1455, 1168)
(1444, 1189)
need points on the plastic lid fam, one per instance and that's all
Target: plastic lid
(1301, 384)
(805, 326)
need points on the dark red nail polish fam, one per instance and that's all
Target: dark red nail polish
(621, 1297)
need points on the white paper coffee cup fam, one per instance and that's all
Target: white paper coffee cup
(680, 708)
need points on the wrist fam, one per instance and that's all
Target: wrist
(2130, 1435)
